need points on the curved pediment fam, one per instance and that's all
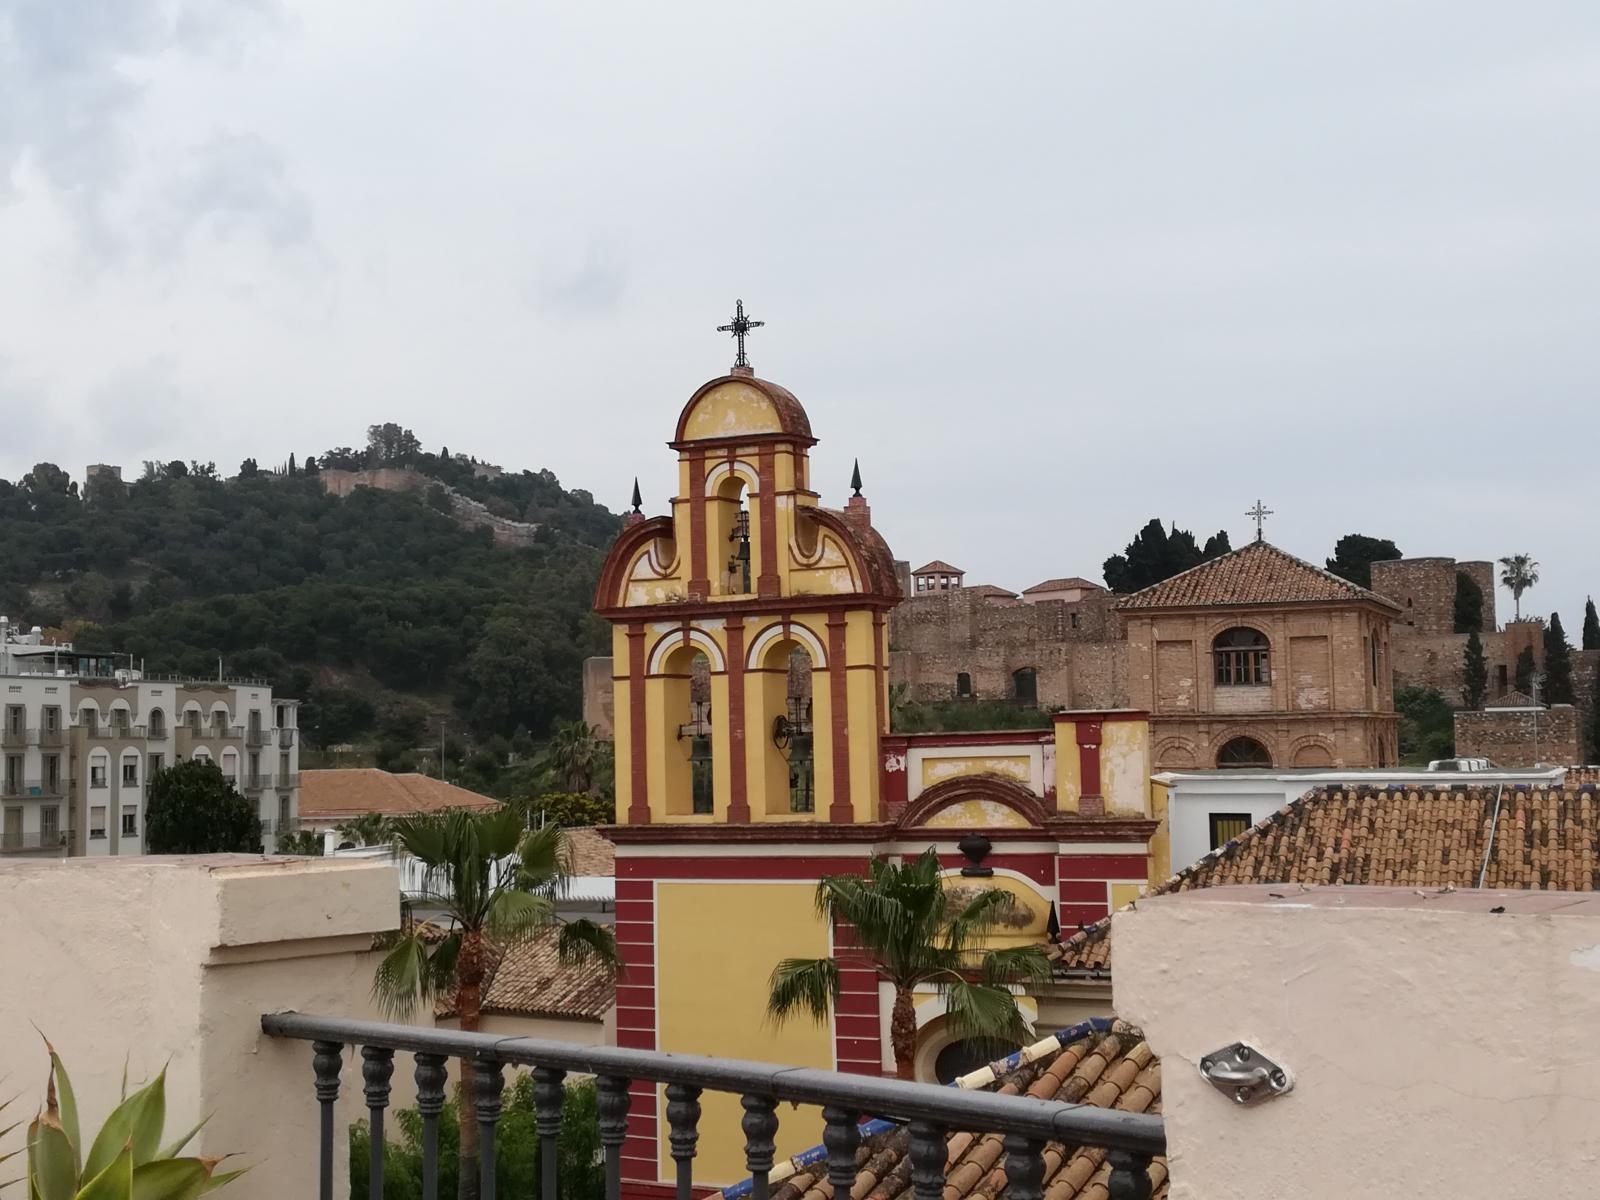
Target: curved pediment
(975, 803)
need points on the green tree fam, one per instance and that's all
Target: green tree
(1217, 545)
(1354, 554)
(1427, 724)
(1524, 671)
(291, 463)
(1591, 626)
(571, 810)
(1155, 554)
(1557, 663)
(1474, 673)
(192, 808)
(369, 829)
(1469, 604)
(1519, 573)
(248, 469)
(304, 842)
(918, 935)
(496, 884)
(572, 755)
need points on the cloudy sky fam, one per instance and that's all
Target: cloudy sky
(1048, 269)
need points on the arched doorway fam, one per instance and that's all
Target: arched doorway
(1244, 752)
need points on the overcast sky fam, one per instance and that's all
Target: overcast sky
(1048, 269)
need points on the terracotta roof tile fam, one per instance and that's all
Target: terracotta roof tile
(1512, 699)
(1061, 585)
(990, 591)
(592, 852)
(334, 795)
(530, 980)
(938, 567)
(1542, 839)
(1115, 1070)
(1258, 573)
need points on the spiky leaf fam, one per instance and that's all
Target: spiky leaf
(177, 1146)
(115, 1182)
(50, 1160)
(61, 1086)
(136, 1121)
(172, 1178)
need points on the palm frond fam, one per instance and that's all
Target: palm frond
(976, 919)
(515, 916)
(1025, 965)
(976, 1010)
(404, 977)
(546, 860)
(586, 941)
(803, 987)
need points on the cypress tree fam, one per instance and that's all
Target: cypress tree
(1474, 673)
(1469, 604)
(1525, 668)
(291, 464)
(1557, 663)
(1591, 626)
(1594, 722)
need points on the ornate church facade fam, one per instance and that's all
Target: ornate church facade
(735, 800)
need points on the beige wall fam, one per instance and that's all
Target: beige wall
(173, 960)
(1437, 1048)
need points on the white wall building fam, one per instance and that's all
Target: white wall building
(1206, 809)
(80, 739)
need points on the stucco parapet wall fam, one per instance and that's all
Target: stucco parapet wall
(234, 900)
(1440, 1042)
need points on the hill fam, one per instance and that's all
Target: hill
(386, 611)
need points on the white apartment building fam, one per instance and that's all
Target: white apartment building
(80, 739)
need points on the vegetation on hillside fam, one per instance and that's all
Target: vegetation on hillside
(379, 610)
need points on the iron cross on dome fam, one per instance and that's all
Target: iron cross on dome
(740, 328)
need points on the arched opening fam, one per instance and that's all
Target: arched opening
(728, 516)
(1244, 752)
(1240, 657)
(1025, 685)
(192, 718)
(684, 766)
(89, 718)
(963, 685)
(158, 723)
(965, 1055)
(791, 705)
(1314, 754)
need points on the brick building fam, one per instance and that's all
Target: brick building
(1257, 659)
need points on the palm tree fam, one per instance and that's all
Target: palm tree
(1519, 574)
(918, 935)
(369, 829)
(497, 885)
(572, 754)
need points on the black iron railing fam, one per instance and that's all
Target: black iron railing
(1131, 1140)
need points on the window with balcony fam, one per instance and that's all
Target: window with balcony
(97, 822)
(49, 825)
(130, 822)
(158, 723)
(97, 775)
(16, 720)
(1241, 657)
(130, 772)
(13, 774)
(52, 773)
(52, 719)
(283, 814)
(155, 763)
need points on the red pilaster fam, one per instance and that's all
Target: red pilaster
(738, 797)
(840, 811)
(1089, 769)
(857, 1028)
(767, 552)
(639, 801)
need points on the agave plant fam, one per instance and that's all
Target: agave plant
(126, 1160)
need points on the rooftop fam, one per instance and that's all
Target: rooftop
(530, 980)
(1258, 573)
(1062, 585)
(1493, 837)
(333, 795)
(938, 567)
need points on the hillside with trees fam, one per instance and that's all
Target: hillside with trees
(393, 622)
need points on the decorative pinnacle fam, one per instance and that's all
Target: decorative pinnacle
(740, 327)
(638, 501)
(855, 478)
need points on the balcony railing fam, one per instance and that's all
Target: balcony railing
(285, 739)
(255, 736)
(1131, 1140)
(38, 789)
(34, 842)
(13, 739)
(53, 738)
(291, 780)
(256, 783)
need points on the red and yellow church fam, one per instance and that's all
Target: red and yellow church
(736, 798)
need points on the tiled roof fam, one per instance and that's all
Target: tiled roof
(592, 852)
(530, 980)
(1543, 839)
(938, 567)
(1258, 573)
(1512, 699)
(990, 591)
(334, 795)
(1115, 1070)
(1061, 585)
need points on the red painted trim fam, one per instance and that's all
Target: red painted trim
(1088, 736)
(1041, 868)
(1102, 866)
(716, 610)
(1073, 915)
(1065, 827)
(638, 775)
(634, 910)
(738, 797)
(1081, 891)
(986, 737)
(699, 581)
(767, 551)
(840, 811)
(633, 889)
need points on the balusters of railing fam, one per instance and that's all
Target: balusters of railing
(377, 1068)
(431, 1075)
(488, 1084)
(1130, 1175)
(760, 1125)
(841, 1135)
(1024, 1167)
(325, 1063)
(611, 1108)
(929, 1150)
(683, 1132)
(549, 1092)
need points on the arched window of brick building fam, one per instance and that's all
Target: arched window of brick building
(1025, 685)
(1241, 656)
(1244, 752)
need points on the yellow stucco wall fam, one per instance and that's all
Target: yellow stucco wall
(730, 410)
(938, 769)
(1125, 766)
(1069, 775)
(709, 1003)
(1161, 843)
